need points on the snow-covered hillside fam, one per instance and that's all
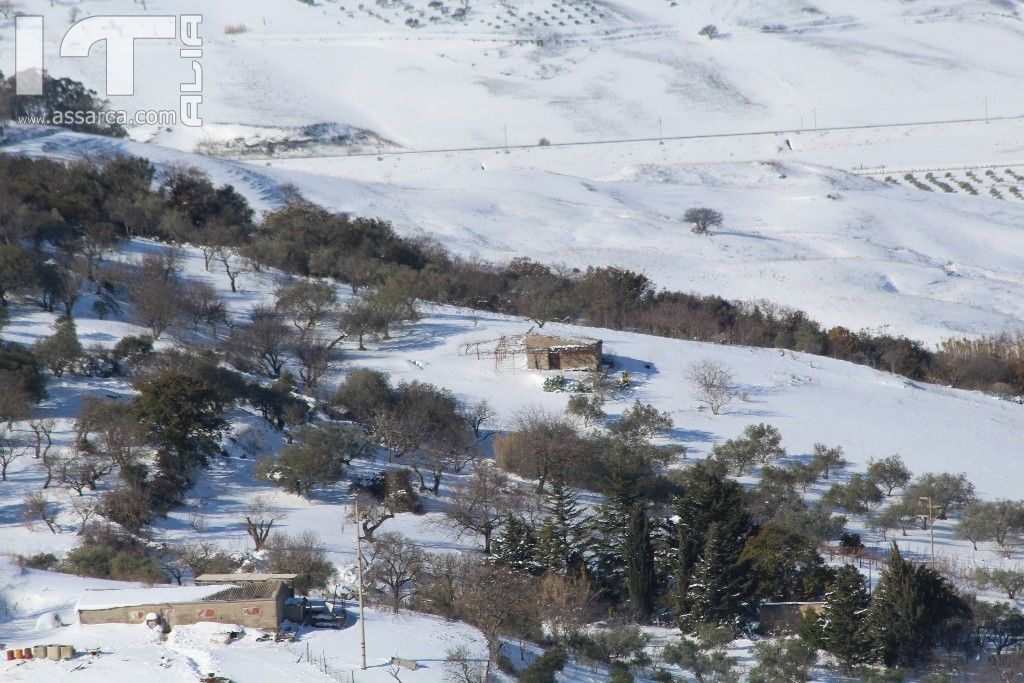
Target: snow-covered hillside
(295, 81)
(428, 74)
(809, 398)
(850, 251)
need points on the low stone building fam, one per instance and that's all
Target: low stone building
(555, 353)
(255, 604)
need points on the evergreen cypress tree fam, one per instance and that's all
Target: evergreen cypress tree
(720, 591)
(515, 547)
(621, 488)
(912, 605)
(607, 547)
(839, 628)
(559, 541)
(640, 578)
(710, 502)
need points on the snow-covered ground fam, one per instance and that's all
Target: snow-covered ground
(432, 120)
(810, 399)
(33, 599)
(336, 78)
(566, 70)
(849, 250)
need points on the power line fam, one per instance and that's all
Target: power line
(619, 141)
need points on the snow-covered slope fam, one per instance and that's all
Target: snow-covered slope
(425, 74)
(810, 399)
(297, 81)
(848, 250)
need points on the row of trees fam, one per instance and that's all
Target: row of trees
(82, 209)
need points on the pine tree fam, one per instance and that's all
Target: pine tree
(640, 578)
(839, 628)
(622, 490)
(515, 547)
(710, 501)
(607, 547)
(720, 591)
(559, 541)
(911, 607)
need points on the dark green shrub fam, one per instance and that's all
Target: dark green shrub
(39, 561)
(618, 672)
(544, 668)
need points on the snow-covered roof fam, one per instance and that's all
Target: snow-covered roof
(131, 597)
(245, 577)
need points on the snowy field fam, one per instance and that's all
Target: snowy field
(427, 75)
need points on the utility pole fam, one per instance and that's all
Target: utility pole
(506, 138)
(661, 136)
(815, 118)
(929, 518)
(362, 621)
(986, 109)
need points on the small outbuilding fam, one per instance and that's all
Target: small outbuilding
(544, 352)
(255, 604)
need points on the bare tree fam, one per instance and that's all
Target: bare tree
(156, 300)
(233, 266)
(395, 563)
(260, 345)
(477, 414)
(498, 601)
(542, 446)
(202, 557)
(314, 354)
(482, 502)
(307, 303)
(110, 427)
(566, 604)
(11, 448)
(713, 384)
(361, 319)
(260, 519)
(448, 448)
(51, 463)
(83, 469)
(702, 218)
(399, 432)
(84, 509)
(203, 306)
(38, 508)
(198, 521)
(460, 667)
(373, 512)
(42, 431)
